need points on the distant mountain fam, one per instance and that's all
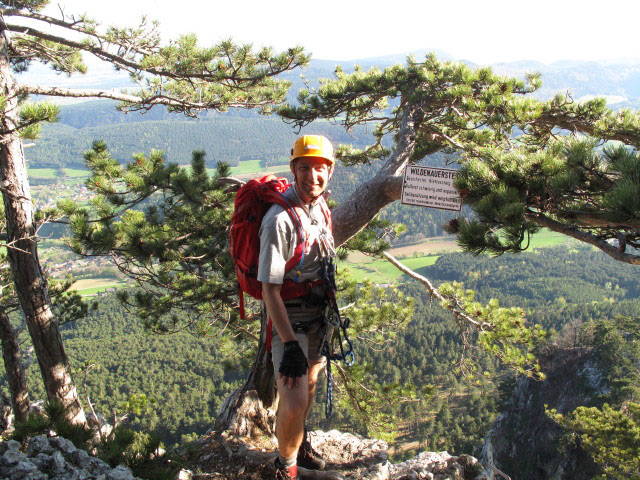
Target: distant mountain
(619, 81)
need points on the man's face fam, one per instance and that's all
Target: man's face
(312, 175)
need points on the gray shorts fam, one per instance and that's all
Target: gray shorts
(310, 340)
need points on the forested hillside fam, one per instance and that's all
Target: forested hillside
(228, 138)
(186, 377)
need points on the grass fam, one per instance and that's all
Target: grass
(547, 238)
(381, 271)
(42, 172)
(91, 286)
(85, 292)
(53, 172)
(76, 172)
(245, 167)
(248, 167)
(253, 166)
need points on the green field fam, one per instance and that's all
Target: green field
(547, 238)
(53, 173)
(76, 172)
(253, 166)
(42, 172)
(244, 168)
(91, 286)
(381, 271)
(95, 290)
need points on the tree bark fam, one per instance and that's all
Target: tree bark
(372, 196)
(16, 376)
(251, 410)
(30, 283)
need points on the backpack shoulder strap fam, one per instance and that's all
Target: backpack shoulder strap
(326, 212)
(295, 213)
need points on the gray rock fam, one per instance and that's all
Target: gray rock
(13, 445)
(36, 476)
(84, 475)
(12, 457)
(62, 444)
(39, 444)
(22, 469)
(98, 467)
(120, 473)
(42, 461)
(58, 463)
(81, 459)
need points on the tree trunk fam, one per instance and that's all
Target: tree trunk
(30, 283)
(16, 376)
(370, 197)
(251, 409)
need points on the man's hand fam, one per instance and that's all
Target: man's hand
(294, 363)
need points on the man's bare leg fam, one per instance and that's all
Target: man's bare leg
(292, 408)
(314, 371)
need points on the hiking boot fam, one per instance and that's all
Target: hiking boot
(283, 473)
(307, 457)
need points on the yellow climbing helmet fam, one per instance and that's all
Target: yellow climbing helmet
(313, 146)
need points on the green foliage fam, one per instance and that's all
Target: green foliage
(570, 184)
(611, 436)
(446, 102)
(52, 418)
(616, 346)
(502, 331)
(138, 451)
(229, 137)
(176, 249)
(371, 240)
(32, 115)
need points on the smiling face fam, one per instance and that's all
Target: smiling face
(312, 175)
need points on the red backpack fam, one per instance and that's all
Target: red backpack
(251, 204)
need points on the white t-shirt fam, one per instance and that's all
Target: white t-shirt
(278, 240)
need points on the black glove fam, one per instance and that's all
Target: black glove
(294, 363)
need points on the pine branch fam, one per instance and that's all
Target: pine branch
(136, 67)
(573, 232)
(78, 26)
(433, 291)
(143, 102)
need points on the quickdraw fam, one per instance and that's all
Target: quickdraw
(334, 320)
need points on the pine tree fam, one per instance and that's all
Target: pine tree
(180, 75)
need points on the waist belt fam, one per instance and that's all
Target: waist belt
(304, 327)
(309, 301)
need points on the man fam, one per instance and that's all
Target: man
(298, 326)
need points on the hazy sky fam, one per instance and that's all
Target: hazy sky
(485, 32)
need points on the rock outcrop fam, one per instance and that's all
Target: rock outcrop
(524, 442)
(349, 456)
(222, 457)
(54, 458)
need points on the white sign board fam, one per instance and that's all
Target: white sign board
(430, 187)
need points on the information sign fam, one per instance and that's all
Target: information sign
(430, 187)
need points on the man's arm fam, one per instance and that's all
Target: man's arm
(294, 359)
(277, 311)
